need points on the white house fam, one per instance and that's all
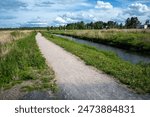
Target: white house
(145, 26)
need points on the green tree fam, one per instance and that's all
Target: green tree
(81, 25)
(98, 25)
(48, 28)
(112, 24)
(132, 22)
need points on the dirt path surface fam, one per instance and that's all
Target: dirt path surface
(79, 81)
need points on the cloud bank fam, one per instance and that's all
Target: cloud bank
(16, 13)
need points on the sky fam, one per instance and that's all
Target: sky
(41, 13)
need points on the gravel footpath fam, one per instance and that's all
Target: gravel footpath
(78, 81)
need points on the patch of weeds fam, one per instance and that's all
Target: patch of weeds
(27, 88)
(46, 79)
(41, 87)
(27, 75)
(11, 84)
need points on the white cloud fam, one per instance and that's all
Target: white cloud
(37, 22)
(60, 20)
(103, 5)
(86, 4)
(69, 11)
(74, 17)
(65, 19)
(90, 15)
(138, 9)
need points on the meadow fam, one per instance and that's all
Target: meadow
(129, 39)
(21, 61)
(135, 76)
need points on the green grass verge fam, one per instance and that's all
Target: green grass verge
(129, 40)
(135, 76)
(24, 62)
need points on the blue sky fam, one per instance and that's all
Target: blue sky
(22, 13)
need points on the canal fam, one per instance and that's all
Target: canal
(132, 57)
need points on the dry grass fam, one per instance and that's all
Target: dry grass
(5, 37)
(129, 39)
(100, 33)
(5, 40)
(8, 37)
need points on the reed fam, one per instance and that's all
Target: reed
(133, 40)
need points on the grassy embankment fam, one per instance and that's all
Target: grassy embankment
(135, 40)
(7, 38)
(24, 62)
(135, 76)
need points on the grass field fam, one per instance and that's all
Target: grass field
(135, 76)
(135, 40)
(7, 38)
(24, 62)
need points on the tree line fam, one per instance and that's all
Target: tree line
(132, 22)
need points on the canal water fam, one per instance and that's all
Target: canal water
(132, 57)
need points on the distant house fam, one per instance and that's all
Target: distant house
(145, 26)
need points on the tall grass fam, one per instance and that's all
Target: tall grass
(127, 39)
(24, 62)
(135, 76)
(7, 38)
(18, 34)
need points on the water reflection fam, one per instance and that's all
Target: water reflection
(125, 55)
